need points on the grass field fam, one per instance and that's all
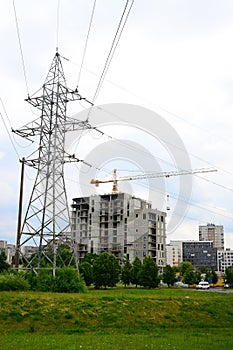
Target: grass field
(117, 319)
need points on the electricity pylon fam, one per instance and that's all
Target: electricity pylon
(47, 220)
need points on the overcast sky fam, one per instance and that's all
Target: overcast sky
(174, 58)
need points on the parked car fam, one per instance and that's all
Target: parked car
(226, 285)
(203, 285)
(181, 284)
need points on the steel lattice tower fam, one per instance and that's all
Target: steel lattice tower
(47, 220)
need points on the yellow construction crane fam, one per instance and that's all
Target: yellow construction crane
(166, 174)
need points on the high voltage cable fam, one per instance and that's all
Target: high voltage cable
(9, 135)
(119, 31)
(173, 196)
(132, 147)
(107, 63)
(20, 46)
(85, 46)
(165, 141)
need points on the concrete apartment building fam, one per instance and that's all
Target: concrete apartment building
(120, 224)
(174, 253)
(200, 254)
(9, 250)
(224, 259)
(214, 233)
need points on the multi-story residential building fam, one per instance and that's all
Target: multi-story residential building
(120, 224)
(224, 259)
(9, 250)
(200, 254)
(214, 233)
(174, 253)
(3, 245)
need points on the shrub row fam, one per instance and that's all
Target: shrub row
(67, 280)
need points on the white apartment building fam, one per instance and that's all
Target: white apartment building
(214, 233)
(120, 224)
(174, 253)
(224, 259)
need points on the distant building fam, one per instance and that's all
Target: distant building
(224, 259)
(29, 250)
(200, 254)
(174, 253)
(214, 233)
(119, 224)
(3, 245)
(9, 250)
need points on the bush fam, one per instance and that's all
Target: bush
(42, 281)
(13, 282)
(68, 280)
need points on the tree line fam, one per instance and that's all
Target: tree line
(103, 271)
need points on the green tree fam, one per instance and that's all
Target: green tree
(184, 266)
(169, 275)
(65, 257)
(136, 267)
(229, 275)
(3, 264)
(148, 275)
(86, 270)
(214, 277)
(197, 276)
(126, 272)
(189, 276)
(106, 271)
(90, 257)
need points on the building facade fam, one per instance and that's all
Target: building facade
(174, 253)
(200, 254)
(9, 250)
(120, 224)
(224, 259)
(214, 233)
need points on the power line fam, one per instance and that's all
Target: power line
(8, 133)
(85, 46)
(119, 31)
(21, 49)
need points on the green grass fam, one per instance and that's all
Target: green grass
(116, 319)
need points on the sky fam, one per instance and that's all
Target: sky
(174, 58)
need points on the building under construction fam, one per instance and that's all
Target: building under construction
(119, 224)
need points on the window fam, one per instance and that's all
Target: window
(144, 217)
(136, 215)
